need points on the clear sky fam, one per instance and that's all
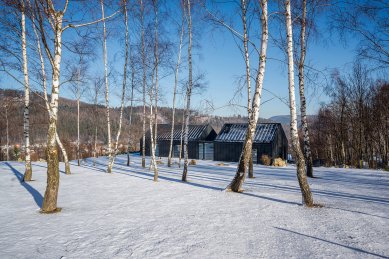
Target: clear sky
(223, 64)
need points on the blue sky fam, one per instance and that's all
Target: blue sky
(221, 61)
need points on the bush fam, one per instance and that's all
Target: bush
(192, 162)
(265, 159)
(279, 162)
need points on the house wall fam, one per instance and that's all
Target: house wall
(280, 145)
(163, 148)
(230, 152)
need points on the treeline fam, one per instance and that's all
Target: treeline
(353, 128)
(91, 116)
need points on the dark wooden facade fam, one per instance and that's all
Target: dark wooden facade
(269, 139)
(200, 139)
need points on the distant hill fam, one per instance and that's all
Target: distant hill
(285, 119)
(90, 118)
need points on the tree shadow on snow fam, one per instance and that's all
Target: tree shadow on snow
(38, 198)
(34, 164)
(333, 243)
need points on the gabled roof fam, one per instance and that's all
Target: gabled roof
(236, 132)
(195, 132)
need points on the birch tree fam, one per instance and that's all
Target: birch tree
(143, 54)
(26, 114)
(78, 75)
(47, 13)
(44, 86)
(124, 84)
(109, 169)
(176, 73)
(64, 153)
(132, 65)
(301, 76)
(96, 91)
(244, 37)
(237, 181)
(301, 174)
(188, 90)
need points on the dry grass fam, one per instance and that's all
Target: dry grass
(279, 162)
(265, 159)
(159, 162)
(192, 162)
(221, 164)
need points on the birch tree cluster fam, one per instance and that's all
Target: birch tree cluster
(116, 53)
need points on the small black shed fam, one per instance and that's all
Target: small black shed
(200, 141)
(269, 139)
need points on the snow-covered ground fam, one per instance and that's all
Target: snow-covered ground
(126, 214)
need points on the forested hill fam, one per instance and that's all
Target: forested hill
(90, 118)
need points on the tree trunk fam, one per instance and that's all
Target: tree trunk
(109, 169)
(251, 167)
(51, 194)
(65, 155)
(301, 176)
(181, 140)
(7, 129)
(78, 123)
(237, 181)
(169, 163)
(26, 114)
(303, 105)
(248, 72)
(95, 153)
(153, 162)
(112, 159)
(131, 105)
(143, 83)
(188, 93)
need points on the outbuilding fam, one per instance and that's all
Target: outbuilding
(269, 139)
(200, 141)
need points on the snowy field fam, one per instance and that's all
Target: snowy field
(126, 214)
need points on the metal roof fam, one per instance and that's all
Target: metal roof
(195, 132)
(236, 132)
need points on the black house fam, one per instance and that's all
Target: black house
(200, 141)
(269, 139)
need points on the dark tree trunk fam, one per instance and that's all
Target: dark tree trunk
(251, 167)
(51, 194)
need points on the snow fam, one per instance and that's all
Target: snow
(126, 214)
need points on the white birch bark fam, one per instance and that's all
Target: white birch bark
(301, 175)
(188, 92)
(181, 138)
(44, 85)
(131, 105)
(303, 105)
(112, 159)
(78, 118)
(26, 113)
(248, 72)
(143, 82)
(7, 132)
(153, 162)
(95, 150)
(109, 169)
(169, 163)
(237, 181)
(51, 194)
(65, 155)
(156, 65)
